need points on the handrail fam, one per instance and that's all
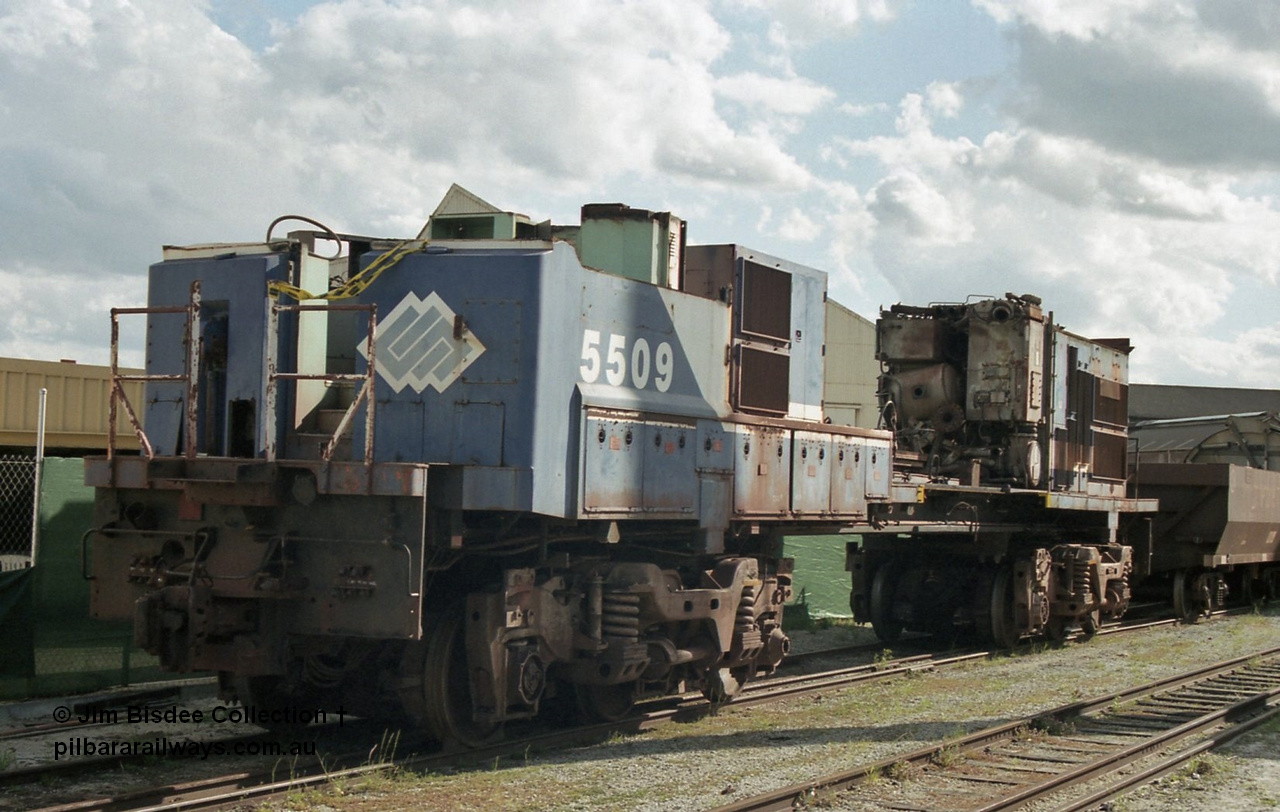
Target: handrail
(365, 395)
(193, 340)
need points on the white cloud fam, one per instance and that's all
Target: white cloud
(1181, 82)
(131, 123)
(1083, 19)
(1130, 177)
(796, 226)
(789, 96)
(803, 23)
(1114, 243)
(944, 98)
(860, 110)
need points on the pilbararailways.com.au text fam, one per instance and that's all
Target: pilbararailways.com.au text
(164, 747)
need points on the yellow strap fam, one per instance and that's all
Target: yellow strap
(356, 284)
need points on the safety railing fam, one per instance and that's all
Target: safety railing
(365, 394)
(193, 340)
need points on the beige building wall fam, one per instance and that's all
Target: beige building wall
(849, 392)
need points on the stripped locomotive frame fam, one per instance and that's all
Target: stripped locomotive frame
(500, 479)
(1012, 434)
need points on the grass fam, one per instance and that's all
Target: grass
(947, 756)
(902, 771)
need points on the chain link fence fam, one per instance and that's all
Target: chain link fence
(17, 497)
(49, 645)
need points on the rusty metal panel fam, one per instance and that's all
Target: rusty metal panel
(908, 339)
(709, 271)
(1212, 514)
(1006, 359)
(811, 472)
(849, 477)
(879, 459)
(1110, 454)
(715, 446)
(670, 484)
(612, 464)
(762, 471)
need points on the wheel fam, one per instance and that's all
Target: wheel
(980, 603)
(266, 694)
(1056, 628)
(446, 685)
(1090, 623)
(883, 588)
(1185, 605)
(1253, 590)
(604, 703)
(1004, 630)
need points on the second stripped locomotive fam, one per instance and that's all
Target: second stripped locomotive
(1012, 432)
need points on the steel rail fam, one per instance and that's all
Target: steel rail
(246, 786)
(1168, 764)
(785, 797)
(1122, 758)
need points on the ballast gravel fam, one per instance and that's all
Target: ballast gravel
(744, 751)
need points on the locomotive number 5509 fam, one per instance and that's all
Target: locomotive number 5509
(657, 366)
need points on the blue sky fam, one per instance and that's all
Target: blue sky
(1119, 159)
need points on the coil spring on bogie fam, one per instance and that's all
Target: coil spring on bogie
(745, 621)
(621, 615)
(1081, 584)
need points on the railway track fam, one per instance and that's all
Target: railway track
(257, 784)
(1073, 757)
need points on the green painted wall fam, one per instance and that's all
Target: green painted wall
(67, 651)
(820, 580)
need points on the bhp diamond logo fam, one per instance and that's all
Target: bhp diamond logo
(416, 345)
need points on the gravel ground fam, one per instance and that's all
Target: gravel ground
(739, 752)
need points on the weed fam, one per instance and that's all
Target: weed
(384, 752)
(947, 756)
(1205, 766)
(1053, 726)
(883, 658)
(902, 771)
(873, 775)
(7, 758)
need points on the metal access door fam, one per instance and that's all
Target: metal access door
(761, 340)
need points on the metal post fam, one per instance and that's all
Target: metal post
(195, 348)
(271, 422)
(35, 498)
(115, 392)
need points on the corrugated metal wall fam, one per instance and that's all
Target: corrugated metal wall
(78, 404)
(852, 371)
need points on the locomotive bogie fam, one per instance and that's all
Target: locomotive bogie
(943, 588)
